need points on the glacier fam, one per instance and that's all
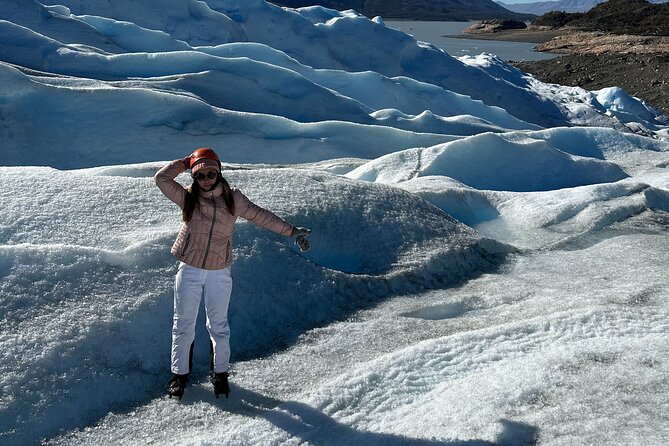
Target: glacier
(488, 261)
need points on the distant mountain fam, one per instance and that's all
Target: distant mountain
(540, 8)
(637, 17)
(444, 10)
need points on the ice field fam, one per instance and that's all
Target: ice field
(489, 252)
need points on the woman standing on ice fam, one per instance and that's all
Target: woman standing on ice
(204, 247)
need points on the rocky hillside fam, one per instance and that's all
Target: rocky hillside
(540, 8)
(444, 10)
(637, 17)
(621, 42)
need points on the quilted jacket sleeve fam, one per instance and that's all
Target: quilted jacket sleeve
(250, 211)
(165, 180)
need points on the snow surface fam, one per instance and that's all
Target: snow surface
(488, 261)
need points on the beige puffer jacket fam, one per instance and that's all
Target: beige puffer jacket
(206, 241)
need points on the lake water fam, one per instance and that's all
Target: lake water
(434, 32)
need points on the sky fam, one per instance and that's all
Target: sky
(511, 2)
(488, 251)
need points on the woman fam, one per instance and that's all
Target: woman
(204, 247)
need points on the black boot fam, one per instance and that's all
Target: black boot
(220, 382)
(177, 385)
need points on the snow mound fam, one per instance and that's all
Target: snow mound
(544, 219)
(623, 106)
(83, 275)
(254, 78)
(427, 121)
(512, 162)
(466, 204)
(482, 384)
(150, 27)
(600, 143)
(564, 365)
(140, 124)
(577, 179)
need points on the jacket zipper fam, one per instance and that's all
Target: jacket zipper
(211, 231)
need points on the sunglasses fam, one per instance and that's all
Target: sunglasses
(201, 176)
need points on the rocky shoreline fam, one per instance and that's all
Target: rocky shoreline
(603, 43)
(591, 60)
(532, 34)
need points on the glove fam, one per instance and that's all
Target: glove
(301, 238)
(186, 161)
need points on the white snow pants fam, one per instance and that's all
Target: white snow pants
(190, 285)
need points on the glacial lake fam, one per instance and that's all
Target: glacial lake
(434, 32)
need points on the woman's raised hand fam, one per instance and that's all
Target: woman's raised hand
(301, 238)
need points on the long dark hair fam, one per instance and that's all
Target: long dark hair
(193, 197)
